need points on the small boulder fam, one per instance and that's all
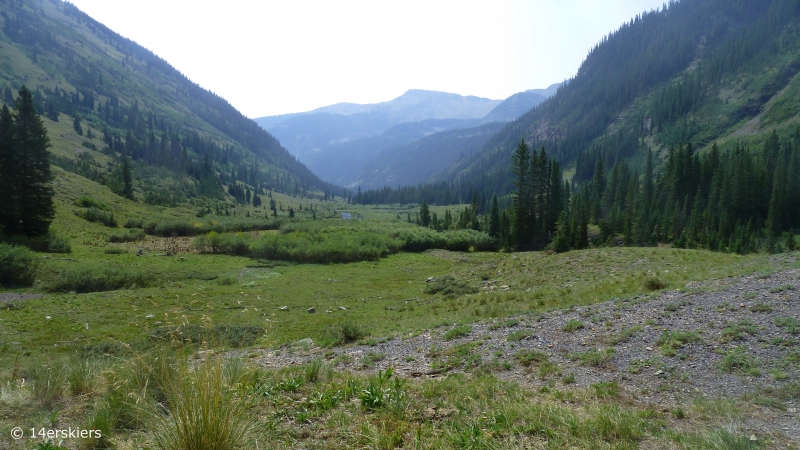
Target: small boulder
(342, 308)
(312, 310)
(430, 279)
(284, 308)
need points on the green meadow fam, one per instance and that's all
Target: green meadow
(108, 333)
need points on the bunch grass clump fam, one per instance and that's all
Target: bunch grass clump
(203, 410)
(342, 333)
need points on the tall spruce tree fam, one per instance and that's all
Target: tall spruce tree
(32, 210)
(494, 218)
(424, 215)
(521, 161)
(8, 174)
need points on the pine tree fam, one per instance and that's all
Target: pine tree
(561, 239)
(122, 177)
(494, 219)
(33, 209)
(521, 162)
(76, 124)
(424, 215)
(8, 173)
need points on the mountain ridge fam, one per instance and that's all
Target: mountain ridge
(135, 101)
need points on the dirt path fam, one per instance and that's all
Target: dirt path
(9, 299)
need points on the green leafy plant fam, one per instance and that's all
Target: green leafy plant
(18, 266)
(457, 332)
(572, 325)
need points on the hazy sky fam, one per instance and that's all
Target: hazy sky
(271, 57)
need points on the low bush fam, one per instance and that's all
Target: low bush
(417, 239)
(114, 251)
(57, 244)
(48, 243)
(228, 244)
(654, 284)
(97, 279)
(227, 281)
(132, 235)
(132, 222)
(96, 215)
(323, 241)
(175, 228)
(89, 202)
(450, 287)
(18, 266)
(320, 247)
(342, 333)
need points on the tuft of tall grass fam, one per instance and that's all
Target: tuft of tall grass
(202, 411)
(457, 332)
(235, 336)
(312, 370)
(82, 377)
(48, 383)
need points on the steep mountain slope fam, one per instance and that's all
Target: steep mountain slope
(305, 134)
(137, 104)
(514, 106)
(699, 71)
(518, 104)
(341, 163)
(422, 159)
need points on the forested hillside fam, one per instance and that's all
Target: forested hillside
(420, 160)
(697, 71)
(184, 141)
(342, 163)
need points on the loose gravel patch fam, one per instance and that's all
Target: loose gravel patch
(730, 338)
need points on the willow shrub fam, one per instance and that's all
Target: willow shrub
(181, 227)
(322, 247)
(18, 266)
(337, 242)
